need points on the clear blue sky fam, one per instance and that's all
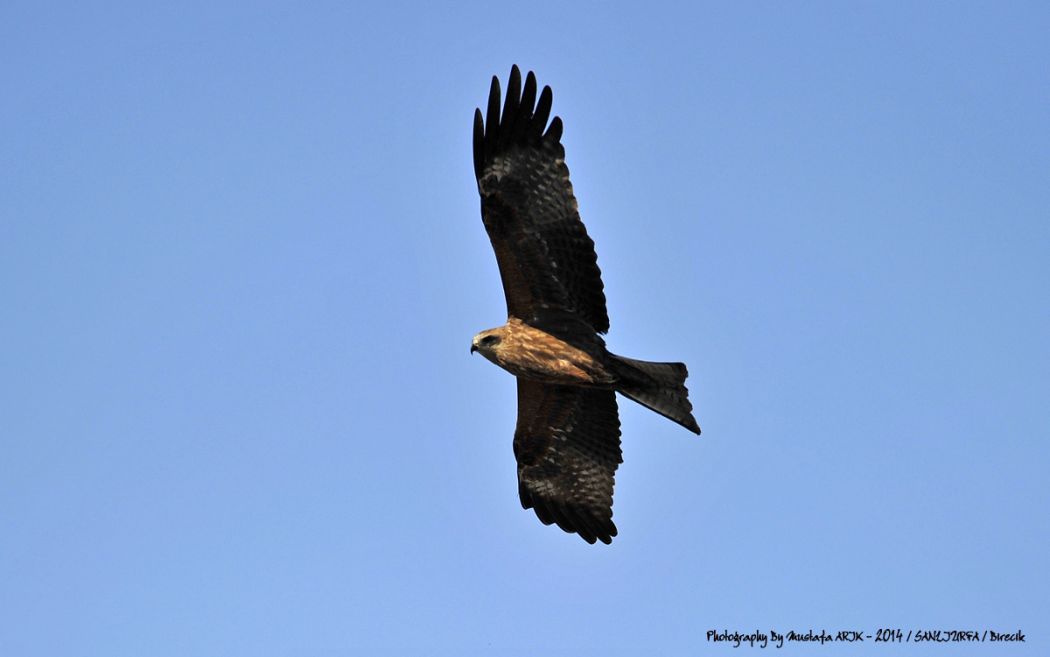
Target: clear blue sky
(241, 262)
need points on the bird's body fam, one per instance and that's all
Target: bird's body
(535, 354)
(567, 442)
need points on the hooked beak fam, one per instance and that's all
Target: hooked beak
(473, 348)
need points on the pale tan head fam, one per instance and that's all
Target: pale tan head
(488, 343)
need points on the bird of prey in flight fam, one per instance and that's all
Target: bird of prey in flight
(567, 440)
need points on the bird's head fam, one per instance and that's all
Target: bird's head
(488, 343)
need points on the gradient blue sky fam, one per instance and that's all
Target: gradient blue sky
(242, 261)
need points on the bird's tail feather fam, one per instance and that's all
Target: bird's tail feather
(658, 386)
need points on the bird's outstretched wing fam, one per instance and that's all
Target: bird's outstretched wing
(567, 444)
(546, 259)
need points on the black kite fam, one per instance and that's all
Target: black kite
(567, 442)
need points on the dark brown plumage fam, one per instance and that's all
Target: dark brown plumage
(568, 446)
(545, 255)
(567, 442)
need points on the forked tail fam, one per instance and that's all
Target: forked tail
(658, 386)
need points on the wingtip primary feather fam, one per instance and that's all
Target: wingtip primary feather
(528, 96)
(492, 116)
(528, 103)
(479, 142)
(510, 106)
(553, 134)
(542, 113)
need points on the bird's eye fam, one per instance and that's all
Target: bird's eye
(489, 340)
